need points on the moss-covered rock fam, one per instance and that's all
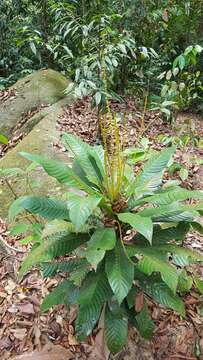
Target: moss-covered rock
(40, 87)
(40, 141)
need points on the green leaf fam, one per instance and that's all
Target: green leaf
(199, 284)
(132, 296)
(184, 282)
(183, 173)
(57, 226)
(69, 52)
(161, 293)
(15, 208)
(163, 236)
(168, 196)
(174, 212)
(81, 207)
(50, 269)
(18, 229)
(57, 245)
(155, 260)
(103, 239)
(60, 295)
(189, 255)
(78, 275)
(145, 325)
(120, 272)
(97, 97)
(33, 47)
(85, 155)
(151, 176)
(143, 225)
(61, 172)
(29, 239)
(95, 289)
(197, 226)
(158, 250)
(169, 274)
(86, 320)
(94, 292)
(115, 328)
(181, 62)
(78, 170)
(3, 139)
(142, 322)
(42, 206)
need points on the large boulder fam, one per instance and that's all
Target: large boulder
(40, 141)
(41, 87)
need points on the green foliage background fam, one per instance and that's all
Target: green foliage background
(138, 40)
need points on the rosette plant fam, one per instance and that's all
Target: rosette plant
(116, 235)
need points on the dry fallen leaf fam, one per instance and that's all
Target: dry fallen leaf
(10, 286)
(19, 333)
(50, 352)
(27, 309)
(139, 301)
(72, 340)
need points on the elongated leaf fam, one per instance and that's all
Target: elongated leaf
(86, 320)
(184, 282)
(174, 194)
(58, 245)
(145, 325)
(161, 293)
(3, 139)
(151, 176)
(50, 269)
(174, 212)
(16, 208)
(103, 239)
(190, 255)
(62, 294)
(57, 226)
(86, 156)
(158, 250)
(78, 275)
(95, 290)
(120, 272)
(81, 207)
(63, 173)
(115, 328)
(143, 225)
(42, 206)
(162, 236)
(199, 284)
(131, 297)
(167, 197)
(142, 322)
(78, 170)
(169, 274)
(154, 261)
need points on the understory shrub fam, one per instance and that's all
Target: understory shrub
(116, 236)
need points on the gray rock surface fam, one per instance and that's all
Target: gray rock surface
(41, 87)
(40, 141)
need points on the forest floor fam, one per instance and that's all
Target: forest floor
(23, 328)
